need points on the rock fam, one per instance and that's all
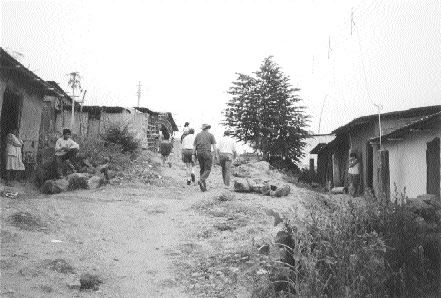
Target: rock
(266, 189)
(90, 281)
(54, 186)
(78, 181)
(282, 191)
(226, 196)
(111, 174)
(261, 165)
(241, 172)
(256, 185)
(241, 186)
(338, 190)
(95, 182)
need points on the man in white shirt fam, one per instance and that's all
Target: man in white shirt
(227, 154)
(187, 155)
(65, 151)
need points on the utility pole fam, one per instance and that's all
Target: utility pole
(74, 83)
(139, 93)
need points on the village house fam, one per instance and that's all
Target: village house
(411, 157)
(22, 103)
(309, 160)
(360, 136)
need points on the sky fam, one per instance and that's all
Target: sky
(345, 56)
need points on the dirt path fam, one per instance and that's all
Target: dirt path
(143, 241)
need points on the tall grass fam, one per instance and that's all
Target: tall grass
(376, 250)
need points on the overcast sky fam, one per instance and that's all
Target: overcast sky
(186, 53)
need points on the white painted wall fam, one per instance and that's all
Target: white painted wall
(311, 142)
(407, 163)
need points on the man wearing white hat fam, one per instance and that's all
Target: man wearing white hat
(203, 143)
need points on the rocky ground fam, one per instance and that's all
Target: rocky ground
(155, 238)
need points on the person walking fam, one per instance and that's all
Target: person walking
(187, 155)
(185, 130)
(66, 150)
(203, 143)
(227, 154)
(14, 163)
(165, 146)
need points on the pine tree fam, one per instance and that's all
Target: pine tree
(263, 113)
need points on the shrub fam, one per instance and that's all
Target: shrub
(117, 134)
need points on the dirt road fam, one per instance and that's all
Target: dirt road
(140, 240)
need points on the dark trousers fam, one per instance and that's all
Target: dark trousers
(205, 160)
(226, 160)
(67, 158)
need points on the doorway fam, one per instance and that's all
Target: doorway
(433, 167)
(9, 119)
(369, 165)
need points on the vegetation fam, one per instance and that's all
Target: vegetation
(377, 250)
(263, 113)
(120, 135)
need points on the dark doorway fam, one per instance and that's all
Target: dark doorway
(433, 167)
(385, 173)
(369, 165)
(9, 120)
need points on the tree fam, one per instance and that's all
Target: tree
(263, 113)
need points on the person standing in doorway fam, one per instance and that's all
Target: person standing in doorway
(354, 174)
(187, 156)
(203, 143)
(66, 150)
(14, 163)
(227, 154)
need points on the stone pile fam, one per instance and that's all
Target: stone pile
(72, 182)
(258, 178)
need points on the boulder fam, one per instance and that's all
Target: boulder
(282, 191)
(266, 189)
(256, 185)
(78, 181)
(95, 182)
(241, 172)
(241, 185)
(54, 186)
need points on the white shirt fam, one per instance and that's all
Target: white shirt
(62, 143)
(355, 170)
(188, 141)
(226, 145)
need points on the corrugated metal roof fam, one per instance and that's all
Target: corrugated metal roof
(430, 121)
(415, 112)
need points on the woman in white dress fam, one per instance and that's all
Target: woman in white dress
(14, 162)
